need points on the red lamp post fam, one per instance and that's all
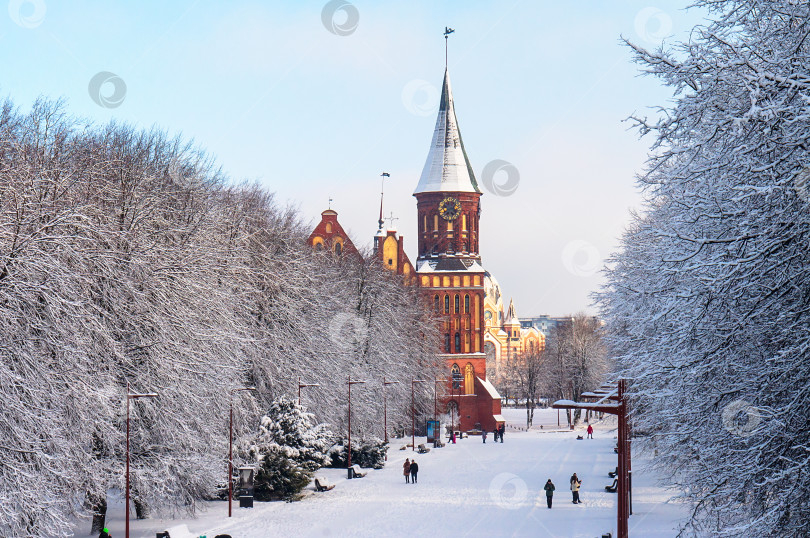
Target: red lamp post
(230, 448)
(413, 413)
(131, 396)
(611, 399)
(302, 385)
(349, 453)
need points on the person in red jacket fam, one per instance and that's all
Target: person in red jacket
(590, 431)
(406, 470)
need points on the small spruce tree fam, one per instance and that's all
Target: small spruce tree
(290, 447)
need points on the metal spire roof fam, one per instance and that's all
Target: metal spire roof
(447, 167)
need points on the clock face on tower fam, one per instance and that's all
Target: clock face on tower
(449, 208)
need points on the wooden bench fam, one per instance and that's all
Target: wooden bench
(612, 488)
(612, 474)
(422, 449)
(356, 472)
(322, 484)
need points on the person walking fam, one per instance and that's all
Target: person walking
(549, 487)
(575, 483)
(501, 432)
(105, 533)
(406, 469)
(495, 435)
(484, 436)
(414, 470)
(590, 431)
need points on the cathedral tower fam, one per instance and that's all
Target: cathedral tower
(449, 268)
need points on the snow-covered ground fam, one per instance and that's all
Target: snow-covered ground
(466, 489)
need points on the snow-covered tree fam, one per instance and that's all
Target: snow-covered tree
(127, 257)
(289, 430)
(706, 302)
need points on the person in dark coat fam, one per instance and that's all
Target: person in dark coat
(484, 436)
(575, 483)
(406, 469)
(414, 470)
(549, 487)
(495, 435)
(502, 430)
(105, 533)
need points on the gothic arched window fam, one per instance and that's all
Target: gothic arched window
(469, 373)
(458, 342)
(456, 304)
(437, 304)
(455, 372)
(338, 249)
(447, 343)
(446, 304)
(466, 304)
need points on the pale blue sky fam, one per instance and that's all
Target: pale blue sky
(279, 99)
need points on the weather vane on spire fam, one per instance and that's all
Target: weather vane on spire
(447, 32)
(330, 203)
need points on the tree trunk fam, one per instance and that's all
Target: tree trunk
(99, 516)
(141, 509)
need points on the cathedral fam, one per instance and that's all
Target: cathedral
(479, 340)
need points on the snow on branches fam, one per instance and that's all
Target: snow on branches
(706, 303)
(125, 256)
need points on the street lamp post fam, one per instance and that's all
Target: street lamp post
(302, 385)
(413, 413)
(385, 411)
(131, 396)
(349, 453)
(230, 448)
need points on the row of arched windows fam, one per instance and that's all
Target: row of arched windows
(456, 304)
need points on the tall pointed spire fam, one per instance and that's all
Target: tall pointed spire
(447, 167)
(511, 317)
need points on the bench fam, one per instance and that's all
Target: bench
(422, 449)
(612, 488)
(322, 484)
(612, 474)
(356, 473)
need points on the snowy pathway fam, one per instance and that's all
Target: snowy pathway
(467, 489)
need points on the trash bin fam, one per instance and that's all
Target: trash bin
(246, 501)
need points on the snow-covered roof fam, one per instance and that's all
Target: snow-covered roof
(499, 418)
(449, 264)
(447, 167)
(490, 388)
(511, 317)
